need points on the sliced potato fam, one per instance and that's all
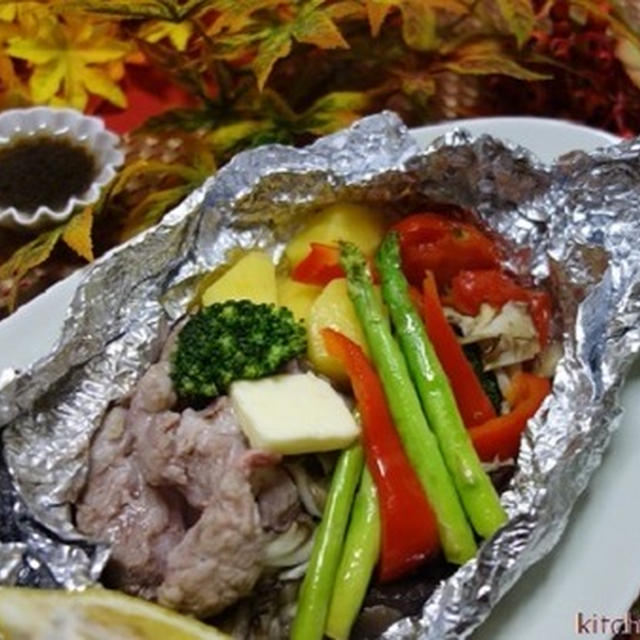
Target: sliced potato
(297, 296)
(361, 225)
(253, 278)
(332, 309)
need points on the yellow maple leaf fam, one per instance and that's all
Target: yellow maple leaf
(178, 33)
(376, 13)
(7, 30)
(25, 16)
(77, 233)
(8, 12)
(629, 54)
(13, 92)
(70, 60)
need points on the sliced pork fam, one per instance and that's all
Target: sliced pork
(191, 452)
(141, 522)
(187, 506)
(219, 560)
(277, 496)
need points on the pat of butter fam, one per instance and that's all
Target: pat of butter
(293, 413)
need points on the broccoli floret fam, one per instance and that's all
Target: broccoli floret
(487, 379)
(233, 340)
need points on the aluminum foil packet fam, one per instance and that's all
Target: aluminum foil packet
(574, 227)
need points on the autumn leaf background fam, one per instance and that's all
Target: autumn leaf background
(189, 83)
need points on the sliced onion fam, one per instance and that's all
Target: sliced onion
(496, 464)
(547, 361)
(291, 547)
(311, 493)
(295, 573)
(508, 336)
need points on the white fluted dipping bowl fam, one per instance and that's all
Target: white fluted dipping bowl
(77, 128)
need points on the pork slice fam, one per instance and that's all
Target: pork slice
(208, 450)
(111, 442)
(220, 558)
(154, 438)
(154, 392)
(191, 451)
(118, 506)
(172, 493)
(152, 426)
(277, 497)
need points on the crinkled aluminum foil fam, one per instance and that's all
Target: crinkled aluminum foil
(578, 219)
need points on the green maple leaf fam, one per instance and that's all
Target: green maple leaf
(486, 57)
(519, 16)
(26, 258)
(311, 24)
(418, 17)
(171, 10)
(235, 15)
(333, 111)
(419, 25)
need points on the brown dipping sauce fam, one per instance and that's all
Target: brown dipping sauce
(43, 170)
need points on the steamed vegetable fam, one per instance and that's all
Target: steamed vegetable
(469, 289)
(506, 334)
(359, 557)
(332, 309)
(320, 266)
(293, 413)
(253, 278)
(487, 379)
(351, 222)
(233, 340)
(500, 437)
(474, 405)
(297, 296)
(409, 528)
(479, 497)
(430, 242)
(317, 586)
(418, 440)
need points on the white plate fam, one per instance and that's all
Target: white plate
(593, 570)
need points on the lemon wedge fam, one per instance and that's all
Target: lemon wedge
(94, 614)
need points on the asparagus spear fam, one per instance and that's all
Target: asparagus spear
(317, 586)
(359, 557)
(478, 494)
(419, 442)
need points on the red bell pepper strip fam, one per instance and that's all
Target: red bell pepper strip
(322, 265)
(473, 403)
(469, 289)
(500, 437)
(417, 298)
(319, 267)
(430, 242)
(409, 532)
